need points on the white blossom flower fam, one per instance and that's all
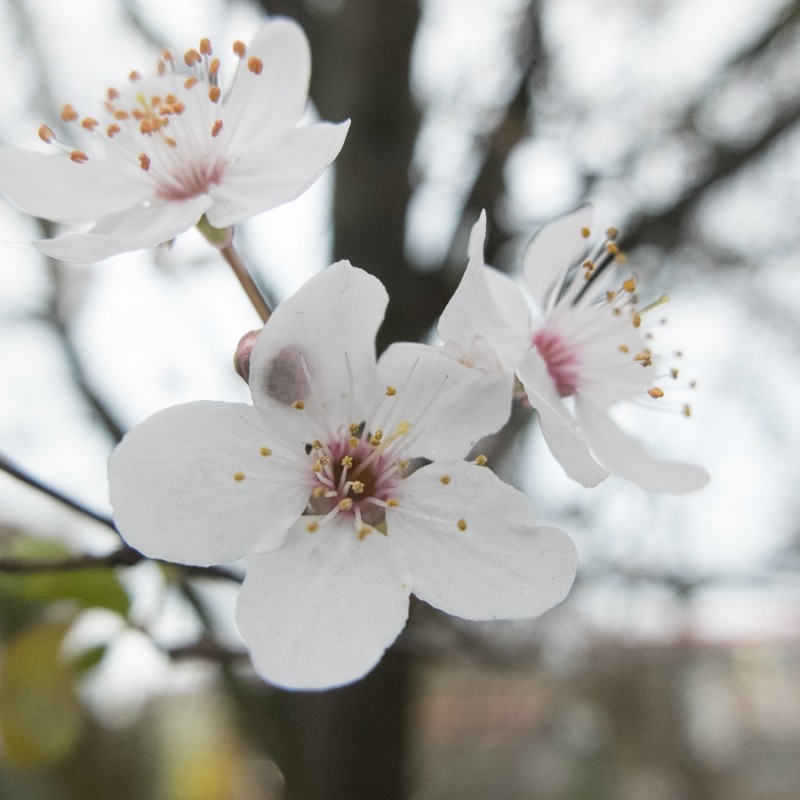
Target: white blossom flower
(171, 148)
(578, 349)
(319, 486)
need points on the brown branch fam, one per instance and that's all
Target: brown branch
(123, 557)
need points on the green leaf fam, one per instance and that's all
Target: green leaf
(40, 717)
(89, 587)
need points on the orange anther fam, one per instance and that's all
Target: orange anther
(112, 130)
(205, 47)
(112, 93)
(144, 161)
(586, 233)
(255, 65)
(213, 94)
(655, 392)
(191, 57)
(216, 127)
(78, 156)
(120, 114)
(170, 141)
(189, 82)
(46, 134)
(240, 48)
(213, 67)
(133, 75)
(178, 108)
(89, 123)
(166, 54)
(68, 113)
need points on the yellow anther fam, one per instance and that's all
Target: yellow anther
(655, 392)
(612, 248)
(190, 82)
(216, 127)
(46, 134)
(240, 48)
(392, 502)
(298, 404)
(687, 410)
(403, 428)
(445, 479)
(316, 444)
(629, 285)
(391, 391)
(358, 487)
(636, 320)
(144, 161)
(89, 123)
(213, 94)
(612, 233)
(345, 504)
(205, 47)
(353, 442)
(318, 491)
(213, 67)
(78, 156)
(68, 113)
(620, 257)
(325, 460)
(481, 460)
(403, 463)
(354, 426)
(265, 451)
(363, 532)
(238, 476)
(255, 65)
(134, 76)
(318, 465)
(611, 296)
(347, 461)
(674, 372)
(588, 265)
(623, 348)
(192, 57)
(462, 524)
(586, 233)
(312, 526)
(376, 437)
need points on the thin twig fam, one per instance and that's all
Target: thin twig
(124, 557)
(17, 472)
(248, 284)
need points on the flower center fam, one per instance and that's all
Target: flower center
(562, 363)
(355, 475)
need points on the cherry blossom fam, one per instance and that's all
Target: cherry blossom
(345, 489)
(579, 346)
(175, 148)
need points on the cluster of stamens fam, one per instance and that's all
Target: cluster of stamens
(153, 119)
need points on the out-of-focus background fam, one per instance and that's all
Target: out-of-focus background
(673, 670)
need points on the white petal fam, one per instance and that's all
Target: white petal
(557, 246)
(626, 456)
(174, 489)
(58, 189)
(272, 102)
(319, 345)
(135, 229)
(486, 304)
(450, 405)
(500, 566)
(557, 423)
(275, 174)
(321, 611)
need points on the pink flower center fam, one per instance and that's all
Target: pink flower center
(190, 180)
(562, 363)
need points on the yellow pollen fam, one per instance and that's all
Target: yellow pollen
(312, 526)
(318, 465)
(363, 532)
(205, 47)
(403, 463)
(612, 233)
(462, 524)
(358, 487)
(655, 392)
(687, 410)
(299, 405)
(192, 57)
(213, 94)
(69, 114)
(144, 161)
(255, 65)
(46, 134)
(674, 373)
(376, 437)
(216, 127)
(353, 442)
(316, 444)
(213, 68)
(636, 320)
(403, 428)
(623, 348)
(586, 233)
(318, 491)
(190, 82)
(265, 451)
(238, 476)
(89, 123)
(240, 48)
(612, 249)
(133, 75)
(78, 156)
(391, 391)
(353, 428)
(392, 502)
(629, 285)
(347, 461)
(445, 479)
(481, 460)
(345, 504)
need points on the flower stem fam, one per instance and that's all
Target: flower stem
(248, 284)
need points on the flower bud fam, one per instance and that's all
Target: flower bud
(241, 358)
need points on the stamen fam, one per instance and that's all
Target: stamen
(190, 82)
(240, 48)
(192, 57)
(586, 233)
(134, 76)
(238, 476)
(265, 451)
(255, 65)
(345, 504)
(392, 502)
(299, 405)
(214, 93)
(444, 479)
(213, 67)
(89, 123)
(481, 460)
(655, 392)
(462, 524)
(391, 391)
(205, 47)
(629, 285)
(78, 156)
(68, 113)
(46, 134)
(144, 161)
(216, 127)
(312, 526)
